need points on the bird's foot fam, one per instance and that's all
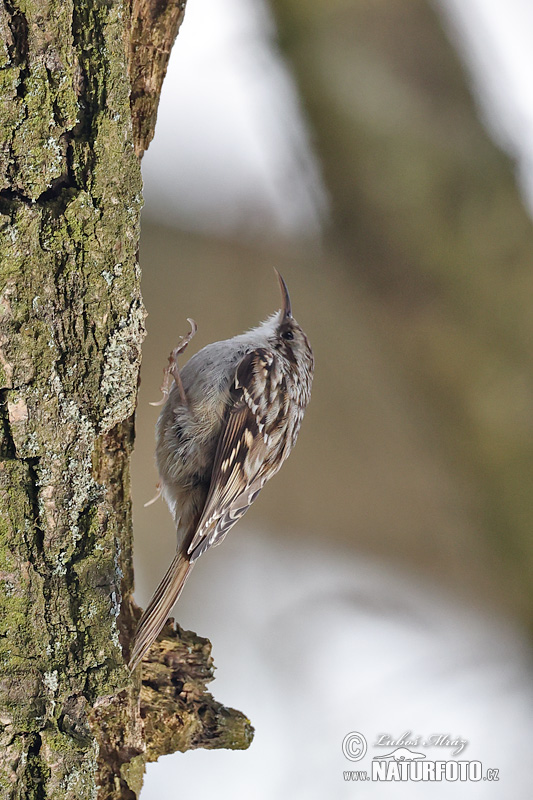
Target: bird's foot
(172, 373)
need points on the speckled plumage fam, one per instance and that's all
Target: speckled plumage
(245, 400)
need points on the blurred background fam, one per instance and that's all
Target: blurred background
(379, 154)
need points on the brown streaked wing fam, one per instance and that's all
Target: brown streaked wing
(242, 453)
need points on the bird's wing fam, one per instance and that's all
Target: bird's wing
(249, 448)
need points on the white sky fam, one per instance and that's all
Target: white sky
(231, 149)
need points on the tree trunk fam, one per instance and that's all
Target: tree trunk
(71, 328)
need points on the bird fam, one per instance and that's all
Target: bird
(231, 416)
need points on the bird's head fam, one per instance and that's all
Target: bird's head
(284, 333)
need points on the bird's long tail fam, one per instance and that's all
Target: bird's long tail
(156, 613)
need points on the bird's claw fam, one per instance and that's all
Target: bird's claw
(185, 339)
(171, 372)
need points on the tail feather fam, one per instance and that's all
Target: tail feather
(157, 611)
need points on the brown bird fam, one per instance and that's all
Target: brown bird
(229, 422)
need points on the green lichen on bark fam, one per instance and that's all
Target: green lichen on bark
(178, 713)
(71, 326)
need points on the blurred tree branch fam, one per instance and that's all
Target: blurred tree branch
(428, 219)
(71, 328)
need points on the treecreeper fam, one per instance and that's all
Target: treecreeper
(230, 419)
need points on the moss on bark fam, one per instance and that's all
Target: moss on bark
(71, 322)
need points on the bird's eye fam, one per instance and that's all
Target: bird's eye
(287, 335)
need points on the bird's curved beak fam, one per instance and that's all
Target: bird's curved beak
(285, 297)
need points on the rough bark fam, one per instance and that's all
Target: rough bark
(71, 328)
(154, 26)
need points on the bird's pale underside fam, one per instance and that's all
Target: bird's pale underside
(230, 419)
